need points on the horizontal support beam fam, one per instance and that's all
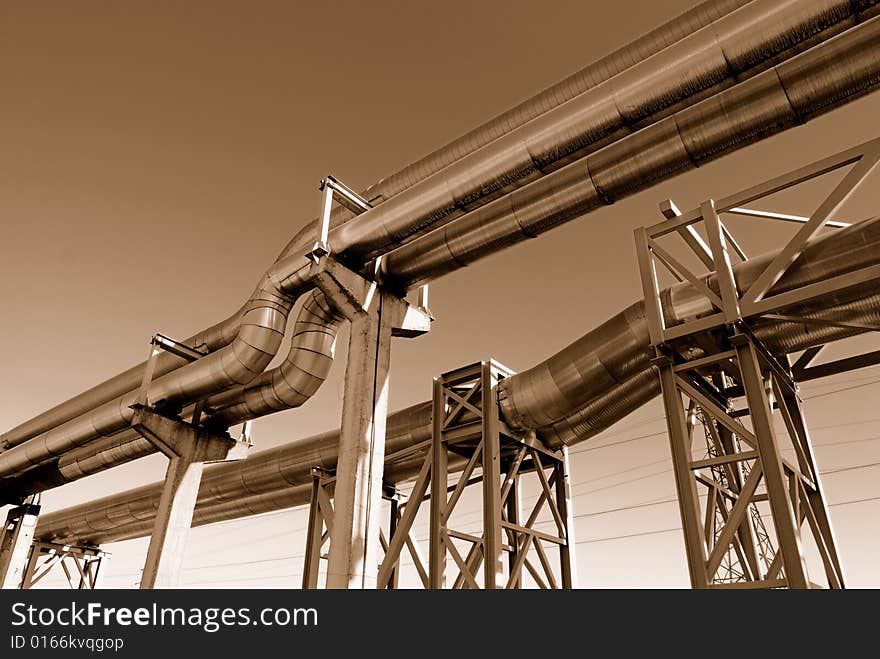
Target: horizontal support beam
(750, 585)
(704, 361)
(838, 366)
(783, 217)
(724, 459)
(533, 532)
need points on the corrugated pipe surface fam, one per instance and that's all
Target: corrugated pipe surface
(293, 382)
(618, 349)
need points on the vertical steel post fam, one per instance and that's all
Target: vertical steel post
(493, 568)
(816, 496)
(514, 512)
(437, 550)
(787, 527)
(392, 527)
(97, 569)
(314, 537)
(33, 560)
(567, 558)
(688, 502)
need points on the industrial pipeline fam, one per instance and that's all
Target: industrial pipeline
(722, 76)
(568, 398)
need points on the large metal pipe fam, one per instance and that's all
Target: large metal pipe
(296, 380)
(590, 76)
(606, 408)
(222, 334)
(718, 56)
(258, 338)
(274, 478)
(791, 93)
(618, 350)
(287, 386)
(824, 77)
(622, 398)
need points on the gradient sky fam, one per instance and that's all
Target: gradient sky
(156, 156)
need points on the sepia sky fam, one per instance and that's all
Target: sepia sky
(156, 156)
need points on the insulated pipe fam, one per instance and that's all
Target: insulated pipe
(223, 333)
(577, 83)
(258, 484)
(605, 409)
(734, 48)
(618, 349)
(793, 92)
(267, 468)
(287, 386)
(211, 339)
(283, 479)
(816, 81)
(621, 399)
(293, 382)
(259, 336)
(283, 388)
(711, 58)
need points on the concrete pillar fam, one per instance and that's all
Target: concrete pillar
(15, 544)
(173, 519)
(375, 315)
(187, 449)
(354, 546)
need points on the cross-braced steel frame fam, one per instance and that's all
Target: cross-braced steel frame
(83, 566)
(733, 385)
(470, 440)
(469, 435)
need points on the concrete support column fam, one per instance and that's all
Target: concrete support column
(173, 519)
(187, 449)
(354, 548)
(16, 540)
(375, 315)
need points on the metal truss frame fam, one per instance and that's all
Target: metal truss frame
(88, 565)
(468, 432)
(733, 377)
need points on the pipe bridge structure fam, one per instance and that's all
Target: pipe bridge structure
(724, 337)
